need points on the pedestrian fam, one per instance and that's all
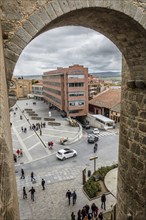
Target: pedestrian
(103, 201)
(32, 191)
(22, 128)
(73, 217)
(21, 152)
(32, 177)
(20, 117)
(84, 213)
(68, 195)
(22, 174)
(93, 208)
(95, 147)
(18, 152)
(24, 193)
(25, 130)
(100, 216)
(43, 184)
(15, 158)
(40, 132)
(74, 197)
(87, 207)
(79, 215)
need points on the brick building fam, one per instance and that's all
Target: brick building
(105, 101)
(67, 89)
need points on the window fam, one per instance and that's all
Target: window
(79, 76)
(76, 103)
(81, 84)
(76, 94)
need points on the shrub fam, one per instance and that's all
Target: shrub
(92, 187)
(102, 171)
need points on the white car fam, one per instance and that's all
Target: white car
(95, 131)
(66, 153)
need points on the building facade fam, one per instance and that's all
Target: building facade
(37, 91)
(20, 87)
(103, 102)
(67, 89)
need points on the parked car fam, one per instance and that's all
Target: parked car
(66, 153)
(92, 138)
(95, 131)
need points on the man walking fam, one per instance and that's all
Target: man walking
(43, 184)
(32, 191)
(103, 200)
(68, 195)
(22, 174)
(74, 197)
(32, 177)
(24, 193)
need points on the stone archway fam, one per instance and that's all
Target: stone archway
(124, 23)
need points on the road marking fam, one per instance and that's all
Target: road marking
(22, 145)
(28, 137)
(34, 146)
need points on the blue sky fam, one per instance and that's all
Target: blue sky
(66, 46)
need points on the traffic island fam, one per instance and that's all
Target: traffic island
(94, 186)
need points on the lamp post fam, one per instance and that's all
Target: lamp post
(94, 158)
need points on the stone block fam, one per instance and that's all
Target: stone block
(49, 119)
(78, 4)
(36, 118)
(64, 5)
(72, 5)
(10, 65)
(29, 28)
(36, 21)
(138, 14)
(18, 41)
(143, 115)
(11, 55)
(54, 123)
(57, 8)
(85, 3)
(13, 47)
(43, 15)
(50, 11)
(142, 127)
(22, 34)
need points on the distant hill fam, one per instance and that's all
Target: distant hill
(107, 74)
(29, 76)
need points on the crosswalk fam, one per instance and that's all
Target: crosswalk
(107, 133)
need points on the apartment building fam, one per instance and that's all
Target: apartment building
(37, 90)
(67, 89)
(95, 86)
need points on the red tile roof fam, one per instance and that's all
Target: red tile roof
(107, 99)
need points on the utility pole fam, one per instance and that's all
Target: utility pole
(94, 158)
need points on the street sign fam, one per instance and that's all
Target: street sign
(93, 158)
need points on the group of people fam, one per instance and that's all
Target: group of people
(37, 126)
(88, 213)
(24, 129)
(72, 195)
(32, 190)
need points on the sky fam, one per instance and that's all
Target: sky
(66, 46)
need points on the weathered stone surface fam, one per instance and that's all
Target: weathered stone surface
(29, 28)
(142, 127)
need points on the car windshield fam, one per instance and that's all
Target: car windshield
(59, 153)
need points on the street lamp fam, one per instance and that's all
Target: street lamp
(94, 158)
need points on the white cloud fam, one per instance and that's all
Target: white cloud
(65, 46)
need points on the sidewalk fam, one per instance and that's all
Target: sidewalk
(52, 203)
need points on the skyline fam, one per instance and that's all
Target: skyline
(75, 45)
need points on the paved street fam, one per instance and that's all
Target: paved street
(59, 175)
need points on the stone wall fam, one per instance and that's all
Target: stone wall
(8, 193)
(123, 22)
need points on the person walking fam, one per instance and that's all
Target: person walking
(93, 208)
(22, 128)
(32, 177)
(68, 195)
(79, 215)
(73, 217)
(74, 197)
(21, 152)
(18, 152)
(24, 193)
(32, 191)
(43, 184)
(22, 174)
(100, 216)
(103, 201)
